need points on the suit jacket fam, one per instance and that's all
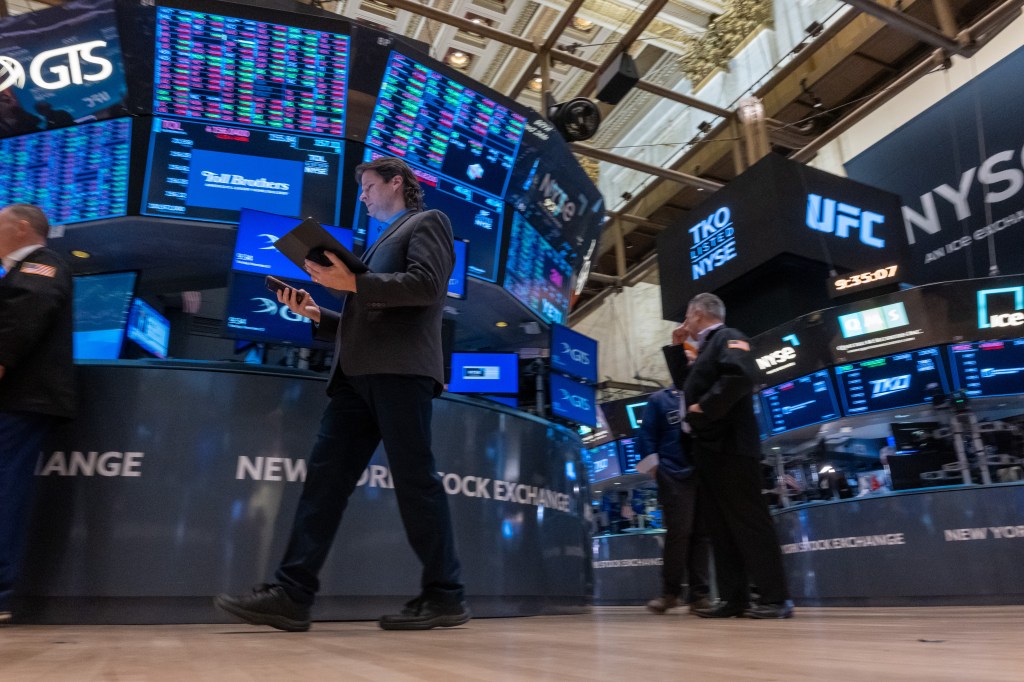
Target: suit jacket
(35, 336)
(392, 324)
(722, 381)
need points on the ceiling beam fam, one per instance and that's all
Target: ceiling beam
(546, 47)
(657, 171)
(912, 26)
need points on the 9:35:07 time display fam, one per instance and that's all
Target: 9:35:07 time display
(863, 280)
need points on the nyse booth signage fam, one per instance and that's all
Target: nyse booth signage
(776, 208)
(791, 350)
(959, 170)
(60, 66)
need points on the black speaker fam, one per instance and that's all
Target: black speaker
(618, 79)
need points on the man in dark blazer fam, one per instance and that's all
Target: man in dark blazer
(388, 367)
(36, 373)
(719, 395)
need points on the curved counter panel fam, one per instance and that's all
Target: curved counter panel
(942, 546)
(179, 482)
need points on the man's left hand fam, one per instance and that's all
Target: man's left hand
(695, 408)
(336, 276)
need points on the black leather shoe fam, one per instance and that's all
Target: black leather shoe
(5, 618)
(722, 609)
(766, 611)
(425, 614)
(267, 605)
(700, 604)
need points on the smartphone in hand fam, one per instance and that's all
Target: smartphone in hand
(276, 285)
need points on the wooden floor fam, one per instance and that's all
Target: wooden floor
(624, 644)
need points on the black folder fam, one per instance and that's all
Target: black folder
(309, 240)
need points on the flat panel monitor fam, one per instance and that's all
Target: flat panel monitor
(63, 66)
(74, 174)
(538, 276)
(573, 401)
(253, 313)
(892, 381)
(148, 328)
(801, 402)
(624, 416)
(484, 373)
(433, 121)
(252, 73)
(988, 368)
(100, 314)
(596, 435)
(603, 462)
(475, 217)
(884, 324)
(629, 451)
(573, 353)
(254, 244)
(210, 171)
(457, 281)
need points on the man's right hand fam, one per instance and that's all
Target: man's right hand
(300, 302)
(680, 334)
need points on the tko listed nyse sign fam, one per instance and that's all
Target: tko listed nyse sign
(714, 243)
(58, 68)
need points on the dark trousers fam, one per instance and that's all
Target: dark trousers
(21, 434)
(366, 410)
(743, 538)
(687, 547)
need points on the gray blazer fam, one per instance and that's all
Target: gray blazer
(392, 324)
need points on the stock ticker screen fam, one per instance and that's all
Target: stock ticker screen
(439, 124)
(988, 368)
(248, 72)
(537, 275)
(207, 171)
(900, 380)
(73, 174)
(804, 401)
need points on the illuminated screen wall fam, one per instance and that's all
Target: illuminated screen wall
(219, 68)
(73, 174)
(210, 171)
(443, 126)
(536, 274)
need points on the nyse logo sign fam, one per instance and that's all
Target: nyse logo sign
(714, 243)
(577, 401)
(883, 387)
(58, 68)
(833, 217)
(1014, 319)
(577, 355)
(771, 362)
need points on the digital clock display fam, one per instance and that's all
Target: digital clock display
(863, 280)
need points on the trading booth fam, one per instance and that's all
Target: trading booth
(174, 142)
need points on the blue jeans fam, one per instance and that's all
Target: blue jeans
(21, 434)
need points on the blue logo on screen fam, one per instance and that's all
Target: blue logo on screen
(235, 181)
(833, 217)
(636, 414)
(573, 353)
(714, 243)
(573, 401)
(882, 387)
(1016, 319)
(873, 320)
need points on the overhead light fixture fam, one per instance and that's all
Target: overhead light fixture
(536, 83)
(81, 254)
(501, 325)
(581, 24)
(458, 59)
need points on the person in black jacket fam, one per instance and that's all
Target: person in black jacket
(388, 367)
(687, 550)
(719, 394)
(36, 373)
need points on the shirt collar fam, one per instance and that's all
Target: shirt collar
(388, 222)
(18, 255)
(702, 335)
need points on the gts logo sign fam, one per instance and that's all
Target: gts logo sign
(882, 387)
(58, 68)
(576, 354)
(833, 217)
(577, 401)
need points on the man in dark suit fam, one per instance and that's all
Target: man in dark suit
(36, 372)
(719, 394)
(388, 367)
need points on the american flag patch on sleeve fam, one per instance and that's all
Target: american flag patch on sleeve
(39, 269)
(736, 343)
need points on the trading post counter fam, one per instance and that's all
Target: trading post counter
(179, 481)
(938, 546)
